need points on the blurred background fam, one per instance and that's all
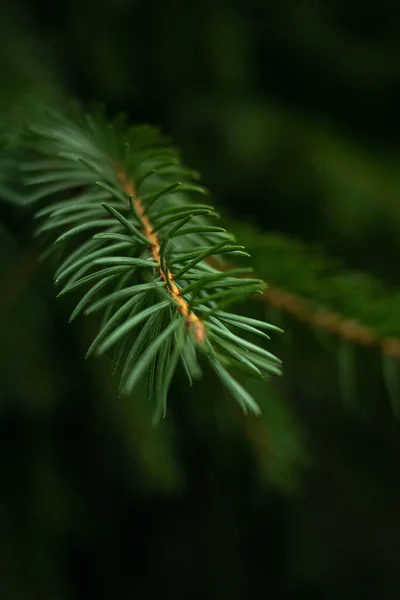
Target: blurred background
(290, 112)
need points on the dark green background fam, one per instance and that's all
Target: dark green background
(290, 112)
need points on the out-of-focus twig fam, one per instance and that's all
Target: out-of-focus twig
(334, 322)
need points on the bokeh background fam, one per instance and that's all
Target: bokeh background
(290, 110)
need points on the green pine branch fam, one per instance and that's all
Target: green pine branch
(115, 208)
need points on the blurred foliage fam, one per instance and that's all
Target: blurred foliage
(290, 111)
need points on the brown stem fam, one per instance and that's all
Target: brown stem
(191, 318)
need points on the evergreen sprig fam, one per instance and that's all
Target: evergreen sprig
(116, 209)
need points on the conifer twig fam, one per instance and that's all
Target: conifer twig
(147, 229)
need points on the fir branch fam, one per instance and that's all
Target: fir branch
(123, 225)
(166, 275)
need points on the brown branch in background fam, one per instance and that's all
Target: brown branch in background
(166, 275)
(331, 321)
(303, 310)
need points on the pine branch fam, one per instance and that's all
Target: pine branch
(155, 247)
(116, 212)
